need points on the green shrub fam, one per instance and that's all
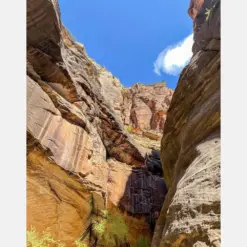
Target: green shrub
(105, 213)
(128, 128)
(207, 13)
(99, 227)
(35, 239)
(141, 242)
(78, 243)
(111, 229)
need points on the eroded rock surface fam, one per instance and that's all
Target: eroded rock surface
(145, 106)
(190, 149)
(80, 159)
(195, 5)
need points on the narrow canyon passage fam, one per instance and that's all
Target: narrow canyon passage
(109, 165)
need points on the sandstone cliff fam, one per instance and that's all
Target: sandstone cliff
(145, 106)
(190, 149)
(80, 159)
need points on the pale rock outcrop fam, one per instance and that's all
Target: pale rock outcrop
(111, 89)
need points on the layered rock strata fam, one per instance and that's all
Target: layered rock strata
(80, 159)
(190, 149)
(145, 106)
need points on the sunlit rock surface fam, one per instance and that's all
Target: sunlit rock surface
(80, 159)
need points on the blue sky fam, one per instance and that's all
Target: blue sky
(129, 36)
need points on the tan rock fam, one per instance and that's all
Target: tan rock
(146, 142)
(111, 89)
(152, 135)
(76, 136)
(55, 202)
(70, 145)
(145, 106)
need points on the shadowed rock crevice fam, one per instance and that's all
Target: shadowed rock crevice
(145, 191)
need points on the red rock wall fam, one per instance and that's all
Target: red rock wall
(145, 106)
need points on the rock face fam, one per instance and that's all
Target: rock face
(145, 106)
(111, 88)
(80, 159)
(195, 5)
(190, 149)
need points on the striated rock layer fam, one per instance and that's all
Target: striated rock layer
(190, 149)
(145, 106)
(80, 159)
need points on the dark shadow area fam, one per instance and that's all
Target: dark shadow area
(145, 190)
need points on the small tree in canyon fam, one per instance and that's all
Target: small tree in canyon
(128, 128)
(35, 239)
(141, 242)
(111, 229)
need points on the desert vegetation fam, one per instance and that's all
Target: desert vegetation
(45, 239)
(110, 229)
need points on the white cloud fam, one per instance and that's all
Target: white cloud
(174, 58)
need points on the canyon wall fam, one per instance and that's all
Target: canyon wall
(145, 106)
(190, 149)
(80, 158)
